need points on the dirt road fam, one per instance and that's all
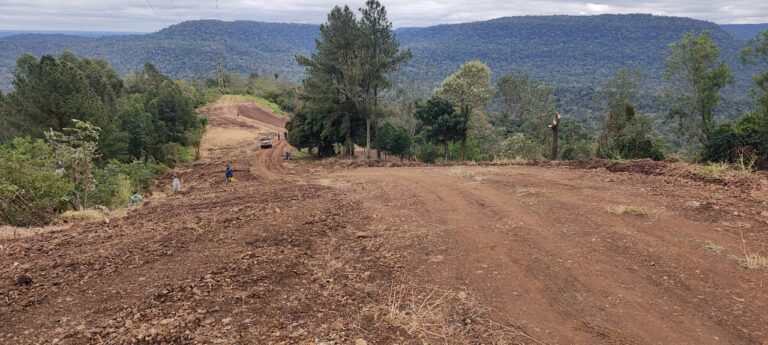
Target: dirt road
(310, 253)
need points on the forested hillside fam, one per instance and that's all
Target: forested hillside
(574, 54)
(185, 50)
(744, 31)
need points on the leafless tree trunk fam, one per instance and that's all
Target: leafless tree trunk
(555, 126)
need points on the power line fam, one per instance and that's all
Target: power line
(176, 10)
(153, 10)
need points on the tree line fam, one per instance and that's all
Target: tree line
(349, 93)
(75, 134)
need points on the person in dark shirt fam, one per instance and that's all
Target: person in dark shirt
(229, 173)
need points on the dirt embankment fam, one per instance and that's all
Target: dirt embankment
(316, 253)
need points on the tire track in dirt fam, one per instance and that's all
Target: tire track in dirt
(580, 273)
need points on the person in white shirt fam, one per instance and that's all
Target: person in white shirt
(176, 184)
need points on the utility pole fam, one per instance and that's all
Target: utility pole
(221, 77)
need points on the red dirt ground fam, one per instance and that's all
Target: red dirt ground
(339, 253)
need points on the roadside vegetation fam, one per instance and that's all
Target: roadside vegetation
(76, 135)
(474, 115)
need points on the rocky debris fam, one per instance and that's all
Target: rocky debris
(24, 280)
(693, 204)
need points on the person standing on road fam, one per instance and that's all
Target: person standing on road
(229, 173)
(176, 184)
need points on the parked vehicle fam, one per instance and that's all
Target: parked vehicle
(266, 142)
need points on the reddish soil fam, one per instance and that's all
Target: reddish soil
(338, 252)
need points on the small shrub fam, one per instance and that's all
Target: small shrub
(84, 216)
(755, 261)
(714, 247)
(464, 172)
(31, 188)
(112, 186)
(713, 171)
(628, 210)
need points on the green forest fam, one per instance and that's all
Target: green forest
(470, 117)
(573, 54)
(75, 135)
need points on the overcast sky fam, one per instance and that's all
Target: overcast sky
(138, 15)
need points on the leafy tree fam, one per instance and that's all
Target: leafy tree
(625, 134)
(742, 141)
(407, 96)
(31, 190)
(518, 146)
(156, 117)
(747, 138)
(381, 56)
(395, 139)
(346, 75)
(756, 53)
(50, 93)
(141, 127)
(442, 123)
(111, 186)
(75, 149)
(576, 142)
(333, 104)
(485, 139)
(470, 90)
(524, 106)
(519, 96)
(695, 78)
(9, 127)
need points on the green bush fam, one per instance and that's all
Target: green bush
(140, 174)
(111, 186)
(519, 146)
(425, 151)
(746, 138)
(582, 149)
(394, 139)
(31, 189)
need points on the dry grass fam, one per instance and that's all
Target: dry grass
(333, 182)
(84, 216)
(755, 261)
(627, 209)
(511, 161)
(751, 261)
(714, 247)
(723, 171)
(466, 172)
(448, 317)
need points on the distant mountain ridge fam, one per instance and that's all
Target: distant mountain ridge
(744, 31)
(5, 33)
(574, 53)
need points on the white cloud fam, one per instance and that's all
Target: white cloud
(136, 15)
(598, 8)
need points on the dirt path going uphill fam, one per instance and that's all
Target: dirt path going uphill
(297, 253)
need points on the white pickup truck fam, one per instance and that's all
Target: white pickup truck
(266, 142)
